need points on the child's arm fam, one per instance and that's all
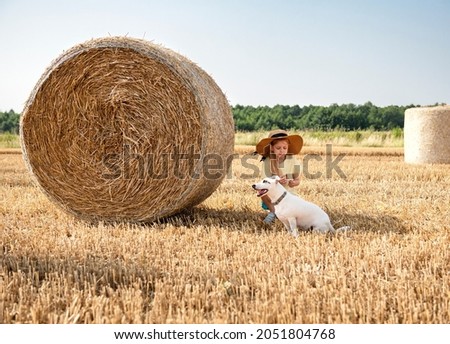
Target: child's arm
(296, 171)
(295, 181)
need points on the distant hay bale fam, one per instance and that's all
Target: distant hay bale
(427, 135)
(121, 129)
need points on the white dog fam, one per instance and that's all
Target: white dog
(293, 211)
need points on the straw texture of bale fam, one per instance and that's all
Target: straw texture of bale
(427, 135)
(121, 129)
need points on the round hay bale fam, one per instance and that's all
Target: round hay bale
(427, 135)
(121, 129)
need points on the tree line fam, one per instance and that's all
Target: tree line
(343, 117)
(251, 118)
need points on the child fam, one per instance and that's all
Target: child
(280, 149)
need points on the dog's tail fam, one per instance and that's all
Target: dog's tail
(343, 229)
(329, 228)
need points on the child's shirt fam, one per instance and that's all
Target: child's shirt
(289, 167)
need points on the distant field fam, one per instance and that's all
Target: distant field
(217, 263)
(365, 138)
(9, 141)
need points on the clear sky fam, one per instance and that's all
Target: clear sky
(267, 52)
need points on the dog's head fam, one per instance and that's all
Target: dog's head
(265, 185)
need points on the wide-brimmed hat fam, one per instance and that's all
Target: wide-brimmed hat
(295, 142)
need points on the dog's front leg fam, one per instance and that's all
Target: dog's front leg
(291, 226)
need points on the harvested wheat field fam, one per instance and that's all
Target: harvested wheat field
(216, 263)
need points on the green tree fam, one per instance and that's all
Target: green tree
(9, 122)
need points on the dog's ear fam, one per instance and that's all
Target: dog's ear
(276, 178)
